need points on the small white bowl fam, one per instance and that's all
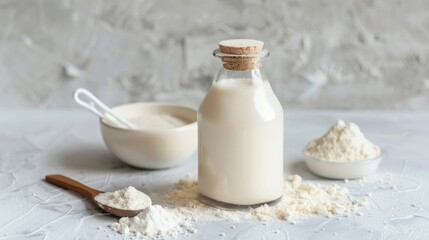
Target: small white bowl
(152, 148)
(342, 170)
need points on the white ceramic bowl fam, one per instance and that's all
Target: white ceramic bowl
(152, 148)
(342, 170)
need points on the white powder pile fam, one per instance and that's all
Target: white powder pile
(127, 198)
(300, 200)
(155, 221)
(343, 143)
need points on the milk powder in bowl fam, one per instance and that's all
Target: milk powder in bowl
(343, 152)
(166, 134)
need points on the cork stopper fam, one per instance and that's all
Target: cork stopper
(241, 54)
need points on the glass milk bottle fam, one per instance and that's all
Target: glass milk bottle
(240, 131)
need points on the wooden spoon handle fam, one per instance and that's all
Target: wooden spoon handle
(68, 183)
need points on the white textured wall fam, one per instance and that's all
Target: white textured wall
(325, 54)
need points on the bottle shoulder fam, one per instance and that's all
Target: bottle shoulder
(232, 102)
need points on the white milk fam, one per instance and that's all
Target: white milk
(240, 138)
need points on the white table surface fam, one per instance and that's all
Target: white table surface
(36, 143)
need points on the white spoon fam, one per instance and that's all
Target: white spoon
(98, 107)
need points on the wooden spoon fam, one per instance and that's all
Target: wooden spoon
(75, 186)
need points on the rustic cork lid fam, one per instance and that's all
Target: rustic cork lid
(240, 54)
(241, 46)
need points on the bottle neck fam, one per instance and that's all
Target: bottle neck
(241, 62)
(255, 75)
(239, 66)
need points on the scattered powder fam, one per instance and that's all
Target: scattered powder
(343, 143)
(384, 178)
(184, 198)
(303, 199)
(127, 198)
(154, 221)
(300, 200)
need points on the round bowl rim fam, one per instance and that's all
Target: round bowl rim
(159, 104)
(365, 161)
